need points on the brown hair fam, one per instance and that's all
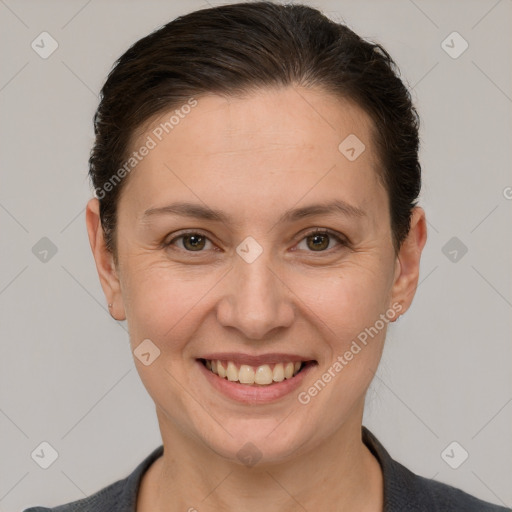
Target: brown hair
(233, 49)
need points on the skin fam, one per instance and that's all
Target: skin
(255, 157)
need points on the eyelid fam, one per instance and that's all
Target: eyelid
(180, 234)
(341, 239)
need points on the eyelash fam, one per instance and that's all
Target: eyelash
(318, 231)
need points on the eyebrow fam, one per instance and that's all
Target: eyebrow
(198, 211)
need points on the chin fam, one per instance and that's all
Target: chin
(259, 441)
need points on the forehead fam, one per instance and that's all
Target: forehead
(263, 146)
(274, 117)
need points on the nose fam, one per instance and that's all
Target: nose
(257, 300)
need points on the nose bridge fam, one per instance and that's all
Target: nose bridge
(258, 302)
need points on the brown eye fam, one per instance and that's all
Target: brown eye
(194, 242)
(319, 241)
(190, 242)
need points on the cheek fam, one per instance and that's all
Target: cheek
(351, 305)
(161, 302)
(347, 300)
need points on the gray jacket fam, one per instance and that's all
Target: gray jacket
(403, 490)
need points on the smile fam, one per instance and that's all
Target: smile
(263, 375)
(255, 379)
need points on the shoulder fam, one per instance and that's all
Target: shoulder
(448, 498)
(120, 496)
(103, 500)
(404, 490)
(422, 494)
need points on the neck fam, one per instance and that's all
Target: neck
(191, 477)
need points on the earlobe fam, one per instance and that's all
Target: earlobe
(408, 261)
(104, 260)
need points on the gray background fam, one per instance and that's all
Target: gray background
(67, 375)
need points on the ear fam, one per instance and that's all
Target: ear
(408, 261)
(104, 259)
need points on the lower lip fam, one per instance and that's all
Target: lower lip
(254, 394)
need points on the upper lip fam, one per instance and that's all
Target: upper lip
(253, 360)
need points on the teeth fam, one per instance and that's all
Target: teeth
(278, 374)
(262, 375)
(232, 372)
(246, 374)
(288, 370)
(221, 371)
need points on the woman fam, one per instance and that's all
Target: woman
(256, 223)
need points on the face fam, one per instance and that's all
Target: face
(240, 275)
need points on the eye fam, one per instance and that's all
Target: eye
(319, 240)
(192, 241)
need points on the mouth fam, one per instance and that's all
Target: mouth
(250, 375)
(255, 379)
